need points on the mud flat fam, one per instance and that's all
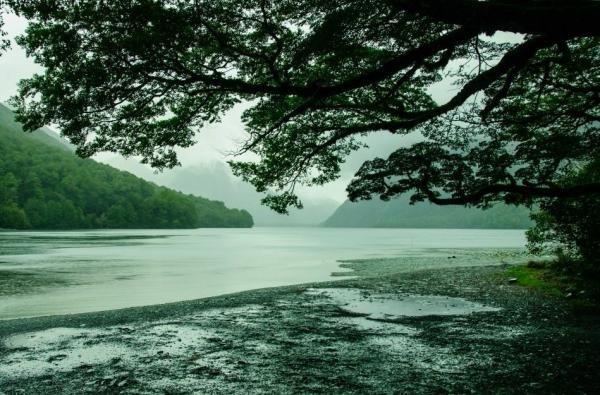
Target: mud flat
(385, 330)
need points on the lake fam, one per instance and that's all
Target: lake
(46, 273)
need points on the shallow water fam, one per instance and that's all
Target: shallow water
(391, 307)
(45, 273)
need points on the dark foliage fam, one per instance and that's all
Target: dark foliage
(43, 185)
(570, 228)
(138, 77)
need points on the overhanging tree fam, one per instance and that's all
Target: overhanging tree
(138, 77)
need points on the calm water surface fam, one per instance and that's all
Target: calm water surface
(45, 273)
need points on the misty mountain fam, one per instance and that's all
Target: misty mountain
(398, 213)
(44, 185)
(215, 181)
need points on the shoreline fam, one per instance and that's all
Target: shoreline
(13, 281)
(154, 311)
(318, 337)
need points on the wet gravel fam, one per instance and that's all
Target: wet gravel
(299, 340)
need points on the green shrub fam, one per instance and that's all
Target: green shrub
(570, 228)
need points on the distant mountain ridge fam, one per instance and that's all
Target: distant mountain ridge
(398, 213)
(215, 181)
(44, 185)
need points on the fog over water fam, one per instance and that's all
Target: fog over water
(71, 272)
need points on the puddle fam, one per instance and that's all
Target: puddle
(377, 327)
(48, 338)
(211, 349)
(46, 360)
(63, 349)
(391, 306)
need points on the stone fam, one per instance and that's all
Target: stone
(57, 357)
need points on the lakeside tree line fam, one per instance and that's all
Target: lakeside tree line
(45, 186)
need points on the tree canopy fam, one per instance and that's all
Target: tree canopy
(138, 77)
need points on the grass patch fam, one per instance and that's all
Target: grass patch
(544, 277)
(538, 278)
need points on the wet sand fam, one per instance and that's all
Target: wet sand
(457, 330)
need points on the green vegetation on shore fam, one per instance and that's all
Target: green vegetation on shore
(44, 185)
(537, 278)
(568, 227)
(550, 278)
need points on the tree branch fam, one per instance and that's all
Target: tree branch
(381, 73)
(535, 191)
(571, 18)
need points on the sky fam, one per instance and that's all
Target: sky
(214, 142)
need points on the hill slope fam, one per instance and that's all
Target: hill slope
(44, 185)
(216, 182)
(398, 213)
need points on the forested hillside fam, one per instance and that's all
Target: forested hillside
(398, 213)
(44, 185)
(215, 181)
